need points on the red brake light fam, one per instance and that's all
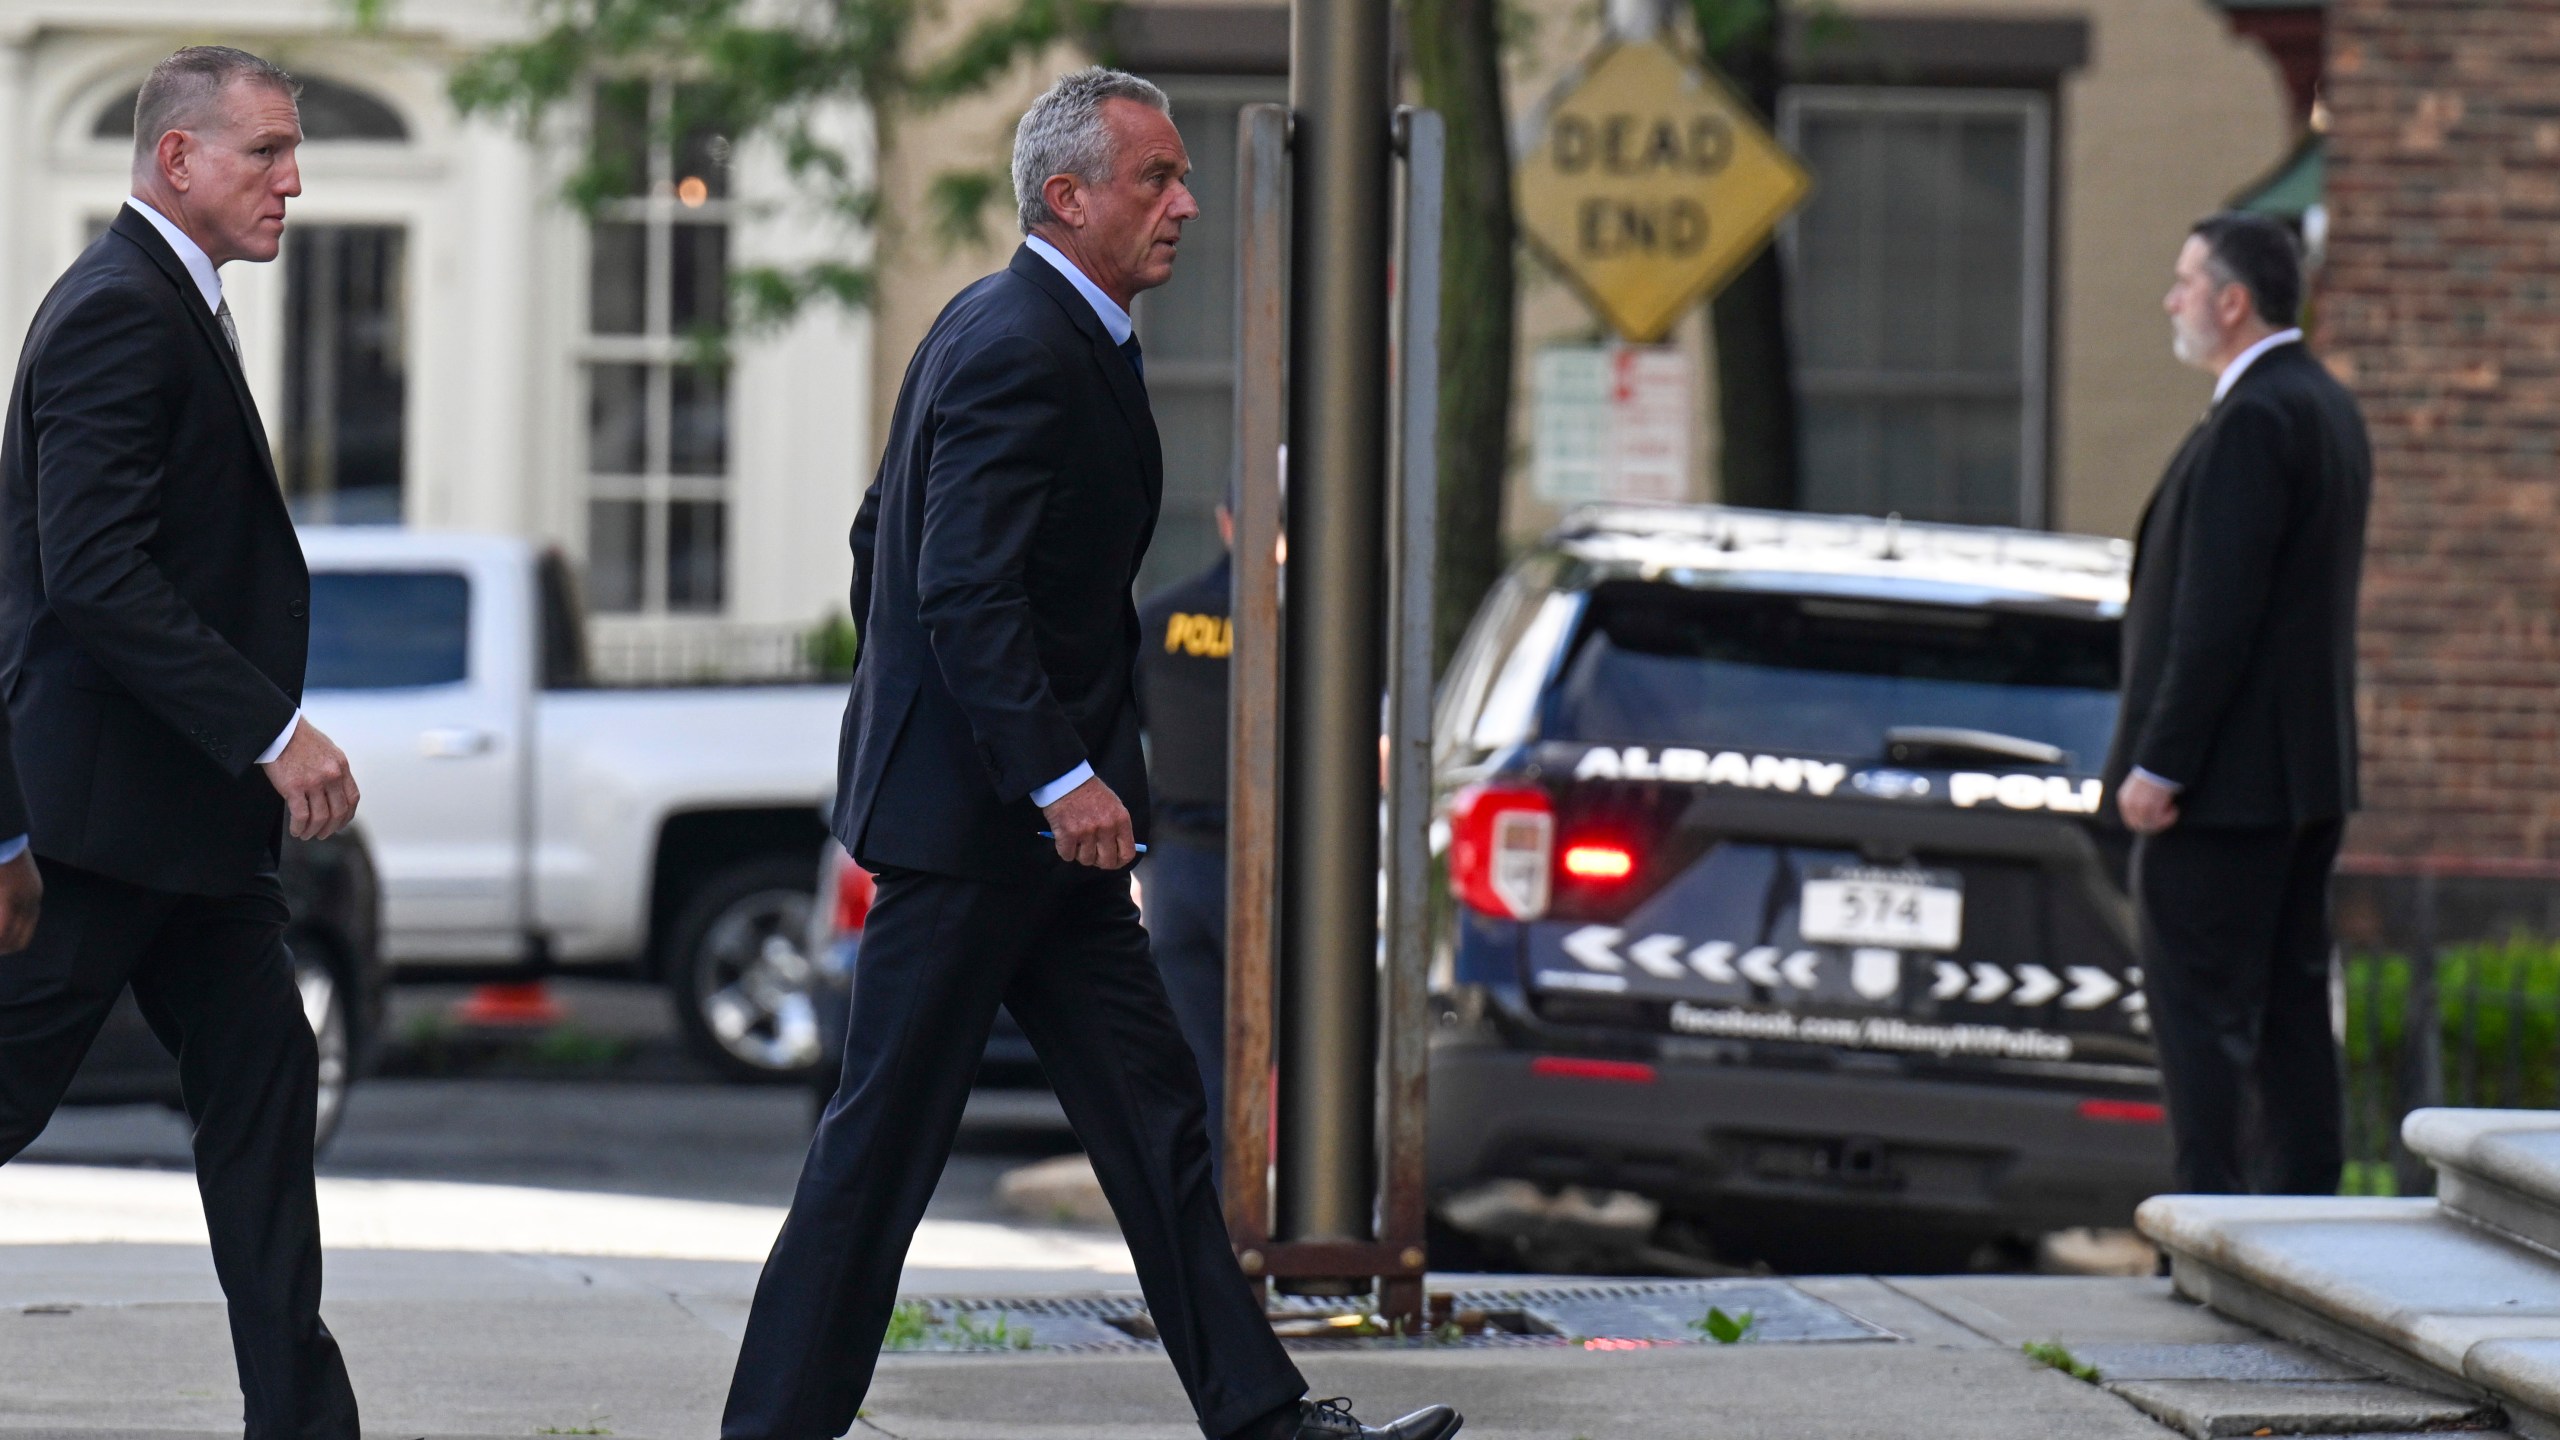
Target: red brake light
(1599, 862)
(1567, 1067)
(2124, 1112)
(1501, 845)
(853, 897)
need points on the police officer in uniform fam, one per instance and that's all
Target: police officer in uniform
(1184, 638)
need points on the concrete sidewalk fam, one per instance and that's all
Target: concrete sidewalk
(129, 1338)
(486, 1310)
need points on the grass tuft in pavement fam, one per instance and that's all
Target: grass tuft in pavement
(2059, 1356)
(914, 1326)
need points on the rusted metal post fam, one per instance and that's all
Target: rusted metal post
(1253, 675)
(1413, 528)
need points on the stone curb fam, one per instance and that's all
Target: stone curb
(2211, 1409)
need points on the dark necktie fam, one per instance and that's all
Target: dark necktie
(1137, 357)
(230, 332)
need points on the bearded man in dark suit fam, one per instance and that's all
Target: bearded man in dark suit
(992, 780)
(154, 619)
(2235, 751)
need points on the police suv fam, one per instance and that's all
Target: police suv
(1782, 895)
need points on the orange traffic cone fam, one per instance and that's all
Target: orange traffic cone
(526, 1005)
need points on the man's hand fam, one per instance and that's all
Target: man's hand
(1092, 827)
(21, 896)
(2148, 807)
(319, 790)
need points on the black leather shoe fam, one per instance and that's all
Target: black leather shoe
(1332, 1420)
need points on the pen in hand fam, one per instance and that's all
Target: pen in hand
(1051, 835)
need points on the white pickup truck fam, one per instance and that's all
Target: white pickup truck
(520, 816)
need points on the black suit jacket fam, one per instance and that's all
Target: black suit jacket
(993, 560)
(2240, 635)
(153, 599)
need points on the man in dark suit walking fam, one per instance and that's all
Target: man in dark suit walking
(2235, 752)
(153, 626)
(992, 780)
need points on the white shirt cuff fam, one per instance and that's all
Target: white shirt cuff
(1049, 794)
(12, 849)
(268, 755)
(2172, 786)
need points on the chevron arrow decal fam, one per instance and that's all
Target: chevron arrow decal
(1799, 969)
(1990, 982)
(1951, 981)
(2091, 987)
(1714, 960)
(1759, 965)
(2036, 985)
(1660, 956)
(1592, 947)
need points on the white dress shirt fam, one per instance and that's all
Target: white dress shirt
(1116, 323)
(2230, 376)
(2241, 362)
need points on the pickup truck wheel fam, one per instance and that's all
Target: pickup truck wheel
(324, 1004)
(739, 971)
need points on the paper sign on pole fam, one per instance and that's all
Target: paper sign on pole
(1612, 423)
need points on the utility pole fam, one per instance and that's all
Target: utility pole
(1334, 663)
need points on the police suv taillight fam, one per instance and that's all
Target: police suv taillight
(1502, 841)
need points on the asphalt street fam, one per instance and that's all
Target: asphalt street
(638, 1118)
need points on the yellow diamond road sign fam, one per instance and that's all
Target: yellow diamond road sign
(1651, 184)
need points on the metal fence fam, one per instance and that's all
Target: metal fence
(700, 653)
(2451, 984)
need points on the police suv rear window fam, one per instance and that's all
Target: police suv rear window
(1659, 664)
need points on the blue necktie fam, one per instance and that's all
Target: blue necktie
(1137, 358)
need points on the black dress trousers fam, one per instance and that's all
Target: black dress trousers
(213, 978)
(1061, 947)
(2236, 950)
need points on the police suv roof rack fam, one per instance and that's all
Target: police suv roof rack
(1724, 537)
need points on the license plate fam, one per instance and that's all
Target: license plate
(1905, 909)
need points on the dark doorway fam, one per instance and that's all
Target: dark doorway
(346, 402)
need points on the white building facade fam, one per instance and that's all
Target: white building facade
(446, 343)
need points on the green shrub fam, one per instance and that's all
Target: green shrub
(2488, 997)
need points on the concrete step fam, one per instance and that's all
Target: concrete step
(2499, 1169)
(2214, 1409)
(2402, 1286)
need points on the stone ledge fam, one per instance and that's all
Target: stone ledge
(2496, 1168)
(2420, 1295)
(2519, 1367)
(2211, 1409)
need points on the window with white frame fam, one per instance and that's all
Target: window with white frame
(657, 405)
(1917, 287)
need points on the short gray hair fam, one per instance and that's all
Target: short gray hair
(1063, 134)
(181, 91)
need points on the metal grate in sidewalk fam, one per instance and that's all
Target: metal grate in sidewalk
(1595, 1315)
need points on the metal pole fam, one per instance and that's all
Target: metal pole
(1404, 1206)
(1253, 712)
(2421, 1042)
(1334, 634)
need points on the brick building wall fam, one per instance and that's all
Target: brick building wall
(2440, 306)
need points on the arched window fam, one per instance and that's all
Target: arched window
(330, 111)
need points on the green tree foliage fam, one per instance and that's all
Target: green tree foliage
(1455, 48)
(770, 71)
